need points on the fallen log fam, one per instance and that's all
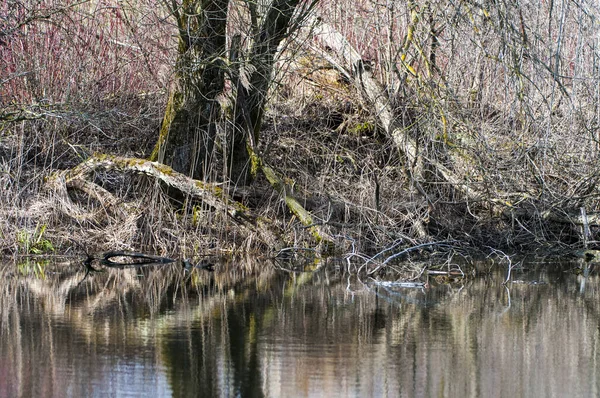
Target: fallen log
(213, 195)
(133, 259)
(351, 63)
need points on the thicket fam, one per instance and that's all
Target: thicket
(387, 125)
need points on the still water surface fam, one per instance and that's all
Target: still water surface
(250, 330)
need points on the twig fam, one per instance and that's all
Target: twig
(507, 257)
(407, 250)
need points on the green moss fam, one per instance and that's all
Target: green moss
(217, 191)
(164, 169)
(255, 164)
(364, 128)
(298, 210)
(173, 107)
(100, 156)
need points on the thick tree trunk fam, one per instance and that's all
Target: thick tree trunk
(189, 126)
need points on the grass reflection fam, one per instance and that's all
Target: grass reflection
(33, 267)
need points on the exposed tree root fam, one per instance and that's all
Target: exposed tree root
(80, 178)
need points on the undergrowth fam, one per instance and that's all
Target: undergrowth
(473, 92)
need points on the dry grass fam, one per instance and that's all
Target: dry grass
(507, 120)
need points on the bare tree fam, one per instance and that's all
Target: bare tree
(205, 65)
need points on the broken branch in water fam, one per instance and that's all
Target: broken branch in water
(406, 251)
(137, 259)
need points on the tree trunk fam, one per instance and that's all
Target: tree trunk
(251, 92)
(189, 126)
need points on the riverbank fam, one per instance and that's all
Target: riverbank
(351, 153)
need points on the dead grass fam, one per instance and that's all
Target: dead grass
(523, 143)
(342, 169)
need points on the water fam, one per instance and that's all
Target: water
(251, 330)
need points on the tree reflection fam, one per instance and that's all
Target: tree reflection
(251, 330)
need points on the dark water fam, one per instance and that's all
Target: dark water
(241, 332)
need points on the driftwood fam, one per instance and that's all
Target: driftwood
(132, 259)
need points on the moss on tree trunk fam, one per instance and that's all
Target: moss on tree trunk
(189, 126)
(251, 95)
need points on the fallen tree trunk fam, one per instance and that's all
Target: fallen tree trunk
(132, 259)
(350, 63)
(210, 194)
(317, 231)
(374, 94)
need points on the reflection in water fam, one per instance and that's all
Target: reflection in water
(240, 332)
